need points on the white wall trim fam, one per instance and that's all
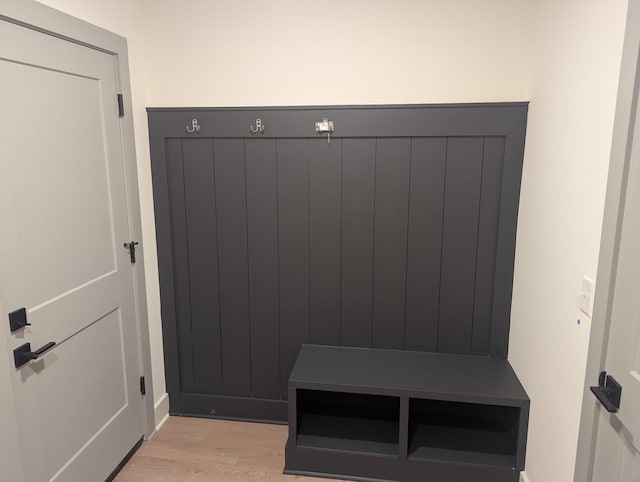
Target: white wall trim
(10, 440)
(161, 411)
(524, 477)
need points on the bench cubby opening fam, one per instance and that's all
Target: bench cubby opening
(348, 421)
(463, 432)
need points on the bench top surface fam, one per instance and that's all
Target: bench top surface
(441, 376)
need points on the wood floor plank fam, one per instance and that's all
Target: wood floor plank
(202, 450)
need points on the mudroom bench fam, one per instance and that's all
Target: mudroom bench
(374, 414)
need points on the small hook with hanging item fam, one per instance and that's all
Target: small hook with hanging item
(259, 127)
(325, 125)
(194, 126)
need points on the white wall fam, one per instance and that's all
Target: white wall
(288, 52)
(577, 54)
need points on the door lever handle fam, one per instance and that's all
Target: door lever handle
(23, 354)
(608, 392)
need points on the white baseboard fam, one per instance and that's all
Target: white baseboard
(524, 477)
(161, 411)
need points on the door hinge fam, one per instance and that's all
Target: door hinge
(132, 250)
(143, 388)
(120, 105)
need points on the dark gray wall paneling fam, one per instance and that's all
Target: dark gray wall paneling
(180, 256)
(493, 157)
(325, 165)
(400, 233)
(393, 159)
(231, 214)
(262, 234)
(358, 191)
(202, 241)
(428, 161)
(463, 178)
(293, 235)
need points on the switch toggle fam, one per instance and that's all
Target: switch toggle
(585, 299)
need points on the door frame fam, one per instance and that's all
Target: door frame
(36, 16)
(9, 435)
(621, 148)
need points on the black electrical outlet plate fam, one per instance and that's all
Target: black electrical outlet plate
(18, 319)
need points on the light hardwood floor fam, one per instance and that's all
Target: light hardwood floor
(198, 450)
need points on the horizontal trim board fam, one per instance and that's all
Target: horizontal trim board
(372, 467)
(341, 107)
(231, 408)
(324, 475)
(407, 121)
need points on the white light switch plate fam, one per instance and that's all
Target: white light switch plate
(586, 296)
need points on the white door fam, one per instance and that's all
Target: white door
(63, 222)
(618, 435)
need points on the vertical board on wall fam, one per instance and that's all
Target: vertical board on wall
(293, 226)
(459, 243)
(356, 284)
(180, 256)
(424, 247)
(390, 242)
(487, 238)
(202, 242)
(325, 190)
(231, 215)
(384, 237)
(262, 240)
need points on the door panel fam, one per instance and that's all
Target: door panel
(617, 442)
(71, 395)
(616, 458)
(73, 216)
(623, 352)
(62, 256)
(623, 356)
(630, 464)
